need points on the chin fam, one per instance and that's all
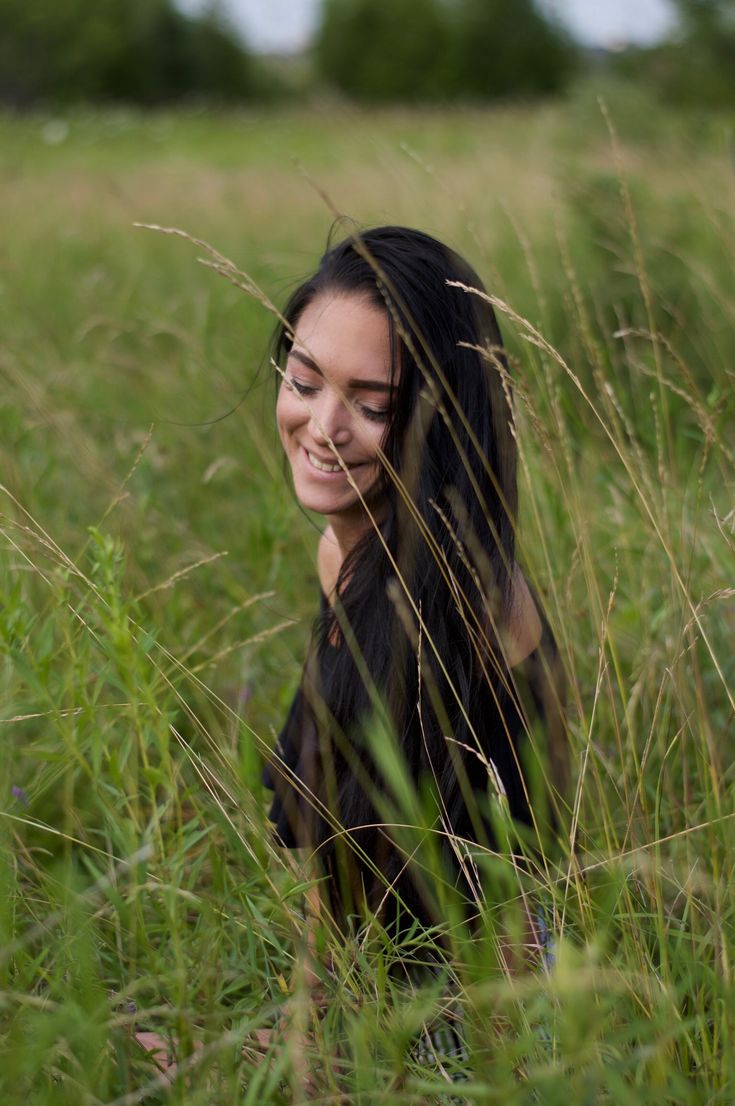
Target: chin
(321, 500)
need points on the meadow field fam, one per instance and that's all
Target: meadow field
(155, 608)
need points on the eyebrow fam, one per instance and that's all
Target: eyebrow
(310, 363)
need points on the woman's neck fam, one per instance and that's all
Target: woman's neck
(345, 533)
(346, 529)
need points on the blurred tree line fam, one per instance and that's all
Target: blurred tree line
(383, 50)
(139, 51)
(150, 52)
(386, 50)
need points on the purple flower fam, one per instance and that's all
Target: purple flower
(19, 793)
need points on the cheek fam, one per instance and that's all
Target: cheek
(289, 413)
(372, 438)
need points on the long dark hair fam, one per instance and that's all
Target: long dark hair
(421, 597)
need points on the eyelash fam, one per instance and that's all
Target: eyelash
(306, 390)
(302, 389)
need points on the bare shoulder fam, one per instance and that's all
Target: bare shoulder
(328, 562)
(524, 629)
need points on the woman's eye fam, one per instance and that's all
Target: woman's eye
(373, 413)
(300, 387)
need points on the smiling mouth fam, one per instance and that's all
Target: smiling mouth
(321, 466)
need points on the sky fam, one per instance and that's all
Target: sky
(283, 26)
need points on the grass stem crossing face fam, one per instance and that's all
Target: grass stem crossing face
(334, 405)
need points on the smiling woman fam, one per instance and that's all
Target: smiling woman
(395, 415)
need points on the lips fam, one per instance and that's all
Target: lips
(331, 468)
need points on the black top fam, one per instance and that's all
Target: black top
(291, 773)
(287, 807)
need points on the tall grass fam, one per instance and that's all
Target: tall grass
(156, 608)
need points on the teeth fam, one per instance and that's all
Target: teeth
(321, 466)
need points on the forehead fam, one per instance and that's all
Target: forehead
(347, 336)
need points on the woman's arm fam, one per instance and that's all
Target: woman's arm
(524, 629)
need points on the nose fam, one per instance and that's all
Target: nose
(330, 420)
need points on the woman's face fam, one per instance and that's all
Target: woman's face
(334, 401)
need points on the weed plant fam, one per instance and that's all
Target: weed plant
(155, 610)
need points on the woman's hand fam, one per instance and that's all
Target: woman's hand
(160, 1050)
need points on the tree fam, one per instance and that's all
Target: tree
(142, 51)
(707, 51)
(422, 49)
(382, 49)
(696, 66)
(507, 48)
(50, 49)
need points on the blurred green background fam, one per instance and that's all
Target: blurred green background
(156, 593)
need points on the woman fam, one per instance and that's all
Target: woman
(394, 413)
